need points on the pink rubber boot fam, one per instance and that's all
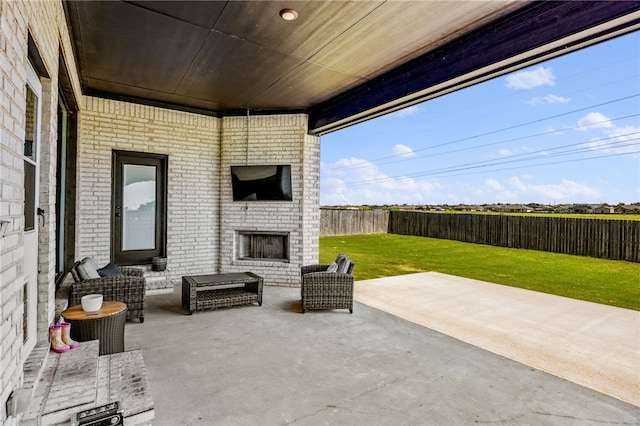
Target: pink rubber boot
(66, 335)
(55, 335)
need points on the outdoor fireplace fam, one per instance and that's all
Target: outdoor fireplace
(267, 246)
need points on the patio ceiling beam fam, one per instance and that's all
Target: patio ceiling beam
(531, 35)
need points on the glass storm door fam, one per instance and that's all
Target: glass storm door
(139, 209)
(33, 94)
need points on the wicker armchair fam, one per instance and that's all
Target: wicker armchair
(320, 289)
(129, 289)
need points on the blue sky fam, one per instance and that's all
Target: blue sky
(562, 131)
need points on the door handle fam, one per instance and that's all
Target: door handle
(41, 213)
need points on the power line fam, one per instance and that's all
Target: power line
(546, 164)
(515, 126)
(624, 144)
(570, 77)
(505, 141)
(497, 170)
(530, 156)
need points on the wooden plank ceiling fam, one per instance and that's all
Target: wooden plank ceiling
(339, 61)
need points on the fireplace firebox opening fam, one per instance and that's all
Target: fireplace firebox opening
(266, 246)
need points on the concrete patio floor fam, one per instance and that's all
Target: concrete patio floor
(272, 365)
(597, 346)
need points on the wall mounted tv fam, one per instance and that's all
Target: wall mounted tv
(261, 183)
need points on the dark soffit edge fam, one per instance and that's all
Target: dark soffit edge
(65, 86)
(148, 102)
(33, 53)
(193, 110)
(532, 27)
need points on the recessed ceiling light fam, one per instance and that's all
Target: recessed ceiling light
(288, 14)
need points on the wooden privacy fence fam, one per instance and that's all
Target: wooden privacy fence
(352, 222)
(601, 238)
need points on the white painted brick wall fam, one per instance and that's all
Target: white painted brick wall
(268, 140)
(311, 206)
(192, 144)
(46, 23)
(202, 217)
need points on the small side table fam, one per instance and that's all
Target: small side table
(106, 325)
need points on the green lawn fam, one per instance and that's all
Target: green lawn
(609, 282)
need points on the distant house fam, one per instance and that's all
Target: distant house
(540, 208)
(604, 209)
(628, 209)
(581, 208)
(515, 208)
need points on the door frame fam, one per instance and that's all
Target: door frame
(138, 257)
(30, 241)
(67, 149)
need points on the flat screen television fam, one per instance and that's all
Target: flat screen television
(261, 183)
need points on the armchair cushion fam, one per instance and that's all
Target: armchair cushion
(87, 269)
(110, 270)
(343, 265)
(333, 267)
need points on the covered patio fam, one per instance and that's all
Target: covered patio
(174, 97)
(272, 365)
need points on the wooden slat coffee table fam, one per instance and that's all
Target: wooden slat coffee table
(106, 325)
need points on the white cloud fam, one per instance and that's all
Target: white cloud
(540, 76)
(493, 185)
(550, 130)
(566, 190)
(408, 111)
(626, 134)
(355, 181)
(517, 189)
(615, 140)
(362, 182)
(489, 190)
(549, 99)
(505, 152)
(403, 150)
(620, 140)
(515, 182)
(594, 120)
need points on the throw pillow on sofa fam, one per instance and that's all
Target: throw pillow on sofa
(110, 270)
(343, 264)
(87, 269)
(333, 267)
